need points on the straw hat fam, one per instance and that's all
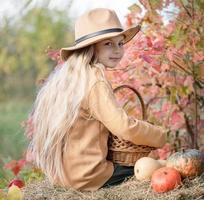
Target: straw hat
(96, 25)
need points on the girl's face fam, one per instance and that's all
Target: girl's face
(110, 51)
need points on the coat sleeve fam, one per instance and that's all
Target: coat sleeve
(103, 107)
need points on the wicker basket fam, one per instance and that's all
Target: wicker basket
(122, 151)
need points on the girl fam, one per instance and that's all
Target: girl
(75, 109)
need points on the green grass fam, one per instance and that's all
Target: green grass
(12, 140)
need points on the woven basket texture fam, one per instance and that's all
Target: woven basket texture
(122, 151)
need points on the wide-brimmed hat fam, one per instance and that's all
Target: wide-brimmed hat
(96, 25)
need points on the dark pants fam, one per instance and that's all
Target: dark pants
(120, 174)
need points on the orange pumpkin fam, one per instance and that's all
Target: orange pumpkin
(165, 179)
(189, 162)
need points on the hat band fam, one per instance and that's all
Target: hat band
(98, 33)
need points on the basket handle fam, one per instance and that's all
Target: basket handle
(144, 116)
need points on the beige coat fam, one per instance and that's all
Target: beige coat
(85, 161)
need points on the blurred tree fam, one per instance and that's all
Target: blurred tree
(23, 50)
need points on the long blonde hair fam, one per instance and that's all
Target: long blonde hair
(55, 110)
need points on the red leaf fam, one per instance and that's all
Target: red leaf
(149, 41)
(158, 45)
(15, 166)
(53, 54)
(156, 65)
(177, 120)
(146, 58)
(164, 152)
(22, 163)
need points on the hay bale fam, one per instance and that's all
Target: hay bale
(129, 190)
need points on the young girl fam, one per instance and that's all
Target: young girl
(75, 109)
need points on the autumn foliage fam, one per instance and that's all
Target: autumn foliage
(165, 64)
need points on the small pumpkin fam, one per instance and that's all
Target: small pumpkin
(144, 168)
(189, 162)
(165, 179)
(162, 162)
